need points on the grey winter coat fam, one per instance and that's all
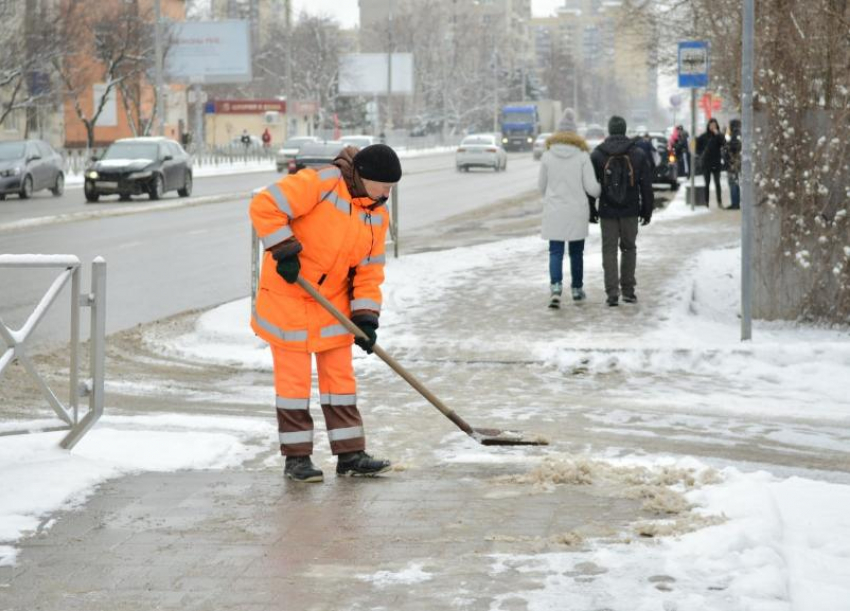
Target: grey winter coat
(566, 180)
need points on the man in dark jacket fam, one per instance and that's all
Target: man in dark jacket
(625, 174)
(709, 149)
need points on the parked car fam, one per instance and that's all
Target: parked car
(666, 168)
(289, 149)
(316, 155)
(360, 141)
(539, 146)
(137, 166)
(482, 151)
(27, 166)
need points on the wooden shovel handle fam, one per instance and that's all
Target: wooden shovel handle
(395, 365)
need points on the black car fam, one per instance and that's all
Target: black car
(316, 155)
(140, 166)
(666, 168)
(27, 166)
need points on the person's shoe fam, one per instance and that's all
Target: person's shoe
(555, 296)
(578, 294)
(360, 464)
(612, 302)
(302, 469)
(630, 298)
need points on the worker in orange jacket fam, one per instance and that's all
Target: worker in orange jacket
(328, 226)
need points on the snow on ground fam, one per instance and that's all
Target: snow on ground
(45, 478)
(779, 543)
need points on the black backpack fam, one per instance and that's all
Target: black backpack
(618, 178)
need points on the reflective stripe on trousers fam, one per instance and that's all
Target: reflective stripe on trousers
(338, 395)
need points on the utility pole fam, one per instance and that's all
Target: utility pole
(388, 120)
(747, 186)
(160, 88)
(290, 106)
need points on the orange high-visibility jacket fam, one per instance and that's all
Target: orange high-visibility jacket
(343, 256)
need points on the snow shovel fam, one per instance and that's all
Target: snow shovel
(487, 437)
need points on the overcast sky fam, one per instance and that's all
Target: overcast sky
(347, 12)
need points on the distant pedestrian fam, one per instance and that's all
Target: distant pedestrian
(625, 175)
(566, 180)
(732, 157)
(266, 138)
(645, 143)
(682, 150)
(245, 139)
(709, 149)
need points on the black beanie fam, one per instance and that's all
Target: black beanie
(377, 162)
(617, 126)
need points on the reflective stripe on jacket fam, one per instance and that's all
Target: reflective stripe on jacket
(343, 256)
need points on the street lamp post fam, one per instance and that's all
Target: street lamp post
(160, 88)
(747, 187)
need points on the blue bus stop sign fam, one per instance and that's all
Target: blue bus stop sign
(693, 63)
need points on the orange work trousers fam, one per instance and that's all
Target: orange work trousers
(338, 397)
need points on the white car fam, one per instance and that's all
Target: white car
(289, 149)
(595, 135)
(360, 141)
(539, 146)
(481, 151)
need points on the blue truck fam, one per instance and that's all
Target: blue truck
(522, 122)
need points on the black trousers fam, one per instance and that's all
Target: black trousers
(707, 174)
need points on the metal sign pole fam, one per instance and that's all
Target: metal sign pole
(747, 187)
(692, 147)
(693, 72)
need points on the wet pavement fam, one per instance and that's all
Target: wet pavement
(431, 534)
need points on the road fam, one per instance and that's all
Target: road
(179, 254)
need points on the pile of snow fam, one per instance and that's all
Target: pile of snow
(46, 478)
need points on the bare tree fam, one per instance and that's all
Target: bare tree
(802, 165)
(26, 62)
(114, 37)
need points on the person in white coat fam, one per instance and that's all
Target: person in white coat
(567, 181)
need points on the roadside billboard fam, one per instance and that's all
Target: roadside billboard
(366, 74)
(209, 52)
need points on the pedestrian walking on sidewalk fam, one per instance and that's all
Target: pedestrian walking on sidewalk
(709, 149)
(566, 180)
(625, 174)
(732, 161)
(327, 226)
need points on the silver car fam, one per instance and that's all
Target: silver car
(539, 146)
(481, 151)
(27, 166)
(360, 141)
(289, 150)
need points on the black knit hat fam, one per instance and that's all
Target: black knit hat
(378, 162)
(617, 126)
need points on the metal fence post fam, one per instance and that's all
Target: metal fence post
(394, 221)
(95, 385)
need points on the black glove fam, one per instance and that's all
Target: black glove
(288, 268)
(644, 220)
(594, 217)
(369, 327)
(288, 265)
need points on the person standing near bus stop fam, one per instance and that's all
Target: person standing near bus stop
(328, 226)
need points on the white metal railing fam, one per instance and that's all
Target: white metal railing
(16, 340)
